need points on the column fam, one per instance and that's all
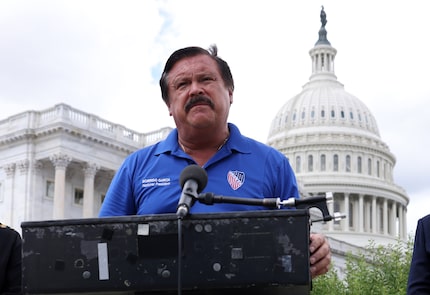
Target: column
(90, 171)
(9, 189)
(401, 221)
(393, 219)
(374, 215)
(360, 213)
(405, 224)
(22, 190)
(331, 210)
(346, 211)
(367, 218)
(60, 162)
(385, 217)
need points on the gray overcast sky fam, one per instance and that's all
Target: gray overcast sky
(105, 57)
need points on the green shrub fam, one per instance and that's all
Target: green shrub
(376, 270)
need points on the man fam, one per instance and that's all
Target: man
(197, 87)
(10, 261)
(419, 273)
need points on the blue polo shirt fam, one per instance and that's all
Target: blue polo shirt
(148, 180)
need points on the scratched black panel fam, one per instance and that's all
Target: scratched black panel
(254, 250)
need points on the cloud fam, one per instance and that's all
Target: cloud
(105, 57)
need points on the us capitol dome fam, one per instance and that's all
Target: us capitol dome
(333, 143)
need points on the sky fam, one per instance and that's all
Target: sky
(105, 57)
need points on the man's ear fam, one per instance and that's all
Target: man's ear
(168, 108)
(230, 94)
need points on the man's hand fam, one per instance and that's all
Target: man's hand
(320, 255)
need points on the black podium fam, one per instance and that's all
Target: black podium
(253, 252)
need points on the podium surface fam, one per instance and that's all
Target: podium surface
(252, 252)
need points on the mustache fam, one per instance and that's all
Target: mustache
(200, 99)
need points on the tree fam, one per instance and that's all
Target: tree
(375, 270)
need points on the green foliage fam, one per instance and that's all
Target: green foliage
(376, 270)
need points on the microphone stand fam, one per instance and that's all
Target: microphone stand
(319, 201)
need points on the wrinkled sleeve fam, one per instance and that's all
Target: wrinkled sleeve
(282, 178)
(119, 200)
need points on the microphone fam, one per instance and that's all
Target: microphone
(193, 180)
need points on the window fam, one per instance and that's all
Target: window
(79, 196)
(377, 169)
(323, 163)
(333, 113)
(49, 190)
(348, 163)
(322, 113)
(298, 163)
(335, 163)
(310, 163)
(359, 164)
(342, 114)
(369, 166)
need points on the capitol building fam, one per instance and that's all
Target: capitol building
(333, 143)
(57, 163)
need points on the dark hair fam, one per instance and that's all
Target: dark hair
(190, 52)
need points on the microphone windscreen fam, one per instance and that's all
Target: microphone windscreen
(196, 173)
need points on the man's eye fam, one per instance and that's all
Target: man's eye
(181, 85)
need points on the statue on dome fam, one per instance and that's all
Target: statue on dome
(323, 17)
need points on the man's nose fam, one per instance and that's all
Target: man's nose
(196, 88)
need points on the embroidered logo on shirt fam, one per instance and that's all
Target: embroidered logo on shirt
(235, 179)
(147, 182)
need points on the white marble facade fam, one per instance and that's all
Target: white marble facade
(58, 163)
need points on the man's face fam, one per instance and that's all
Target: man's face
(198, 97)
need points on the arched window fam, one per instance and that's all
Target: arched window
(369, 166)
(377, 169)
(359, 165)
(323, 163)
(298, 163)
(322, 113)
(310, 163)
(348, 163)
(335, 163)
